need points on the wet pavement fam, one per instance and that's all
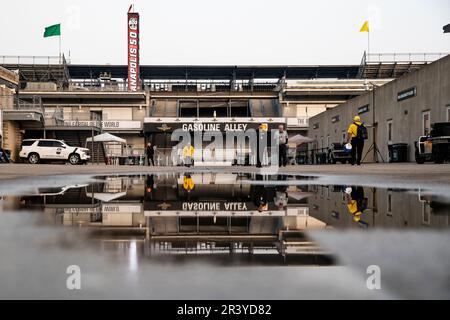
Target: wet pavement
(224, 236)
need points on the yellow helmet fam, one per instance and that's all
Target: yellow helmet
(357, 118)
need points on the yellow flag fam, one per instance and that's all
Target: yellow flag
(365, 27)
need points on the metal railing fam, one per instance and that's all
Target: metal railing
(32, 60)
(34, 105)
(402, 57)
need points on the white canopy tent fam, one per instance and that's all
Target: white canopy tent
(107, 196)
(299, 139)
(106, 137)
(109, 141)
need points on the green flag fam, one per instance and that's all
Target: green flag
(54, 30)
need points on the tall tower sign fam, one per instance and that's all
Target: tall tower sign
(133, 50)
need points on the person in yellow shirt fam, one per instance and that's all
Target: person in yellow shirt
(356, 140)
(188, 154)
(188, 183)
(355, 202)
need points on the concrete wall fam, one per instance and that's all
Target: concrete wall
(432, 83)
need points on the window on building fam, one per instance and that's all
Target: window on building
(96, 115)
(321, 143)
(328, 141)
(390, 132)
(448, 113)
(344, 136)
(426, 122)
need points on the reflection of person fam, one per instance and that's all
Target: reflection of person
(150, 154)
(149, 185)
(188, 154)
(260, 196)
(188, 182)
(3, 155)
(281, 195)
(355, 202)
(281, 200)
(357, 142)
(282, 137)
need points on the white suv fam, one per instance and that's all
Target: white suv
(35, 150)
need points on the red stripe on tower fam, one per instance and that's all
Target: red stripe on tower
(133, 51)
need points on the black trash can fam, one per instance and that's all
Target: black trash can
(398, 152)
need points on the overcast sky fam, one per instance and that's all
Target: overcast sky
(251, 32)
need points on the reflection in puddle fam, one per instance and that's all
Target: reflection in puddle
(226, 219)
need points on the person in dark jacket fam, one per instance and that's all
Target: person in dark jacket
(356, 141)
(3, 155)
(150, 154)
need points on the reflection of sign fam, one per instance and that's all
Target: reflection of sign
(214, 206)
(121, 208)
(133, 52)
(164, 206)
(406, 94)
(81, 210)
(204, 206)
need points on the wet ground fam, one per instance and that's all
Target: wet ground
(189, 235)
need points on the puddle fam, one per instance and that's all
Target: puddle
(206, 226)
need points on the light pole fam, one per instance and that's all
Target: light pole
(374, 146)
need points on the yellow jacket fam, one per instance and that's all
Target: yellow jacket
(353, 129)
(188, 183)
(188, 151)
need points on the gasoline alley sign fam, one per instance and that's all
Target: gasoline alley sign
(226, 127)
(133, 51)
(205, 126)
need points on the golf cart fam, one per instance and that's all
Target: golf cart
(434, 147)
(336, 153)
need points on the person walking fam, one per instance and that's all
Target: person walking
(356, 134)
(150, 154)
(3, 155)
(282, 137)
(356, 202)
(188, 154)
(261, 143)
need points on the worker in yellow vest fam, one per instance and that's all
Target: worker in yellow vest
(356, 134)
(188, 154)
(188, 183)
(355, 202)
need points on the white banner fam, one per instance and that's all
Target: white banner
(121, 125)
(107, 125)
